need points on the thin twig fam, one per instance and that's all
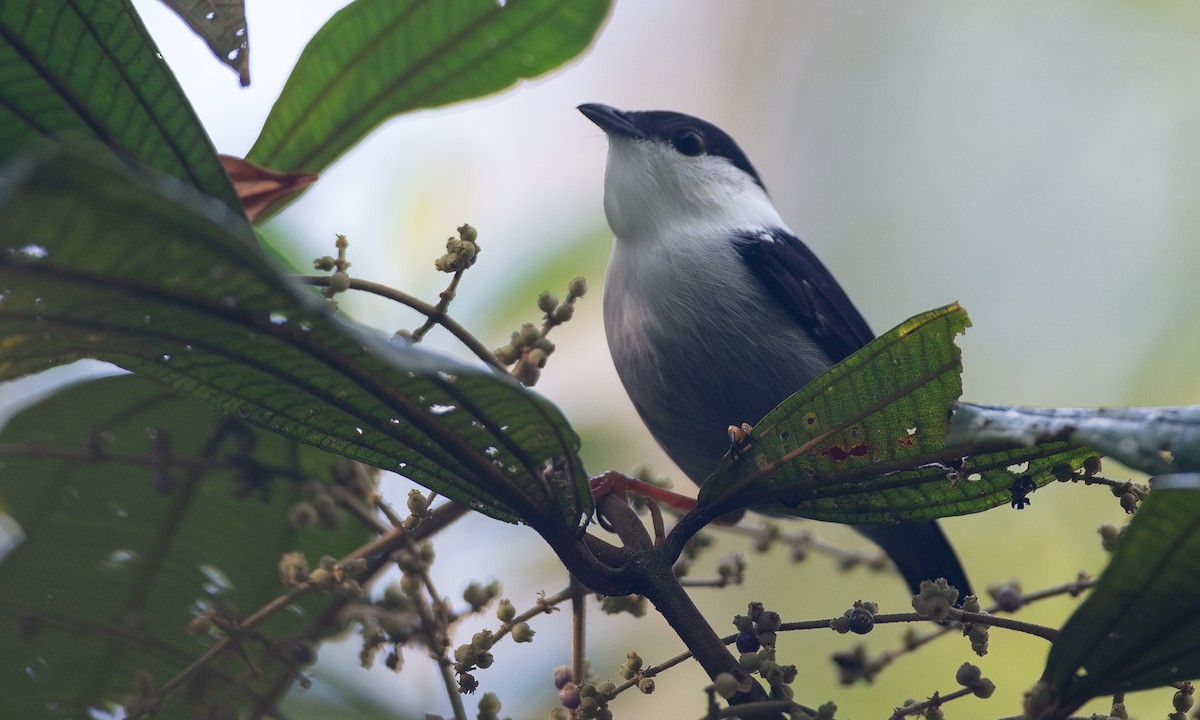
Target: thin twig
(359, 509)
(578, 627)
(430, 311)
(935, 701)
(1073, 588)
(439, 310)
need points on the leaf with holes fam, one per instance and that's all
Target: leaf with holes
(864, 443)
(98, 261)
(1140, 626)
(89, 72)
(222, 25)
(378, 58)
(126, 511)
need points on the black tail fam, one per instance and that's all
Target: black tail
(921, 552)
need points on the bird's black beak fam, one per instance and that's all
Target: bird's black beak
(612, 120)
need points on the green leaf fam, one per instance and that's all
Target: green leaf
(222, 25)
(1155, 440)
(89, 72)
(98, 262)
(378, 58)
(1140, 626)
(131, 511)
(864, 443)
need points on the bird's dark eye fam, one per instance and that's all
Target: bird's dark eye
(689, 142)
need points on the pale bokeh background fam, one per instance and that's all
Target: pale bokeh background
(1035, 161)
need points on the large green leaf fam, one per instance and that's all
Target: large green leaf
(378, 58)
(96, 261)
(1140, 626)
(86, 70)
(865, 443)
(132, 510)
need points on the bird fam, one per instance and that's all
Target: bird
(714, 310)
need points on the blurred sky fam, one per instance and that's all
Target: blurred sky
(1037, 162)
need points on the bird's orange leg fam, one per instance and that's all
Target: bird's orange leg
(619, 484)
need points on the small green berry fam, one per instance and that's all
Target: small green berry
(506, 611)
(536, 357)
(1109, 535)
(1063, 472)
(339, 282)
(529, 374)
(967, 675)
(984, 688)
(578, 287)
(522, 633)
(354, 567)
(564, 313)
(476, 596)
(417, 504)
(489, 705)
(321, 579)
(726, 685)
(527, 335)
(769, 621)
(547, 301)
(506, 354)
(410, 584)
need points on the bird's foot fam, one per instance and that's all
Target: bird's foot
(740, 439)
(619, 484)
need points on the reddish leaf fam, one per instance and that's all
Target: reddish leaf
(260, 187)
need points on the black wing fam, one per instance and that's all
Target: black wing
(799, 282)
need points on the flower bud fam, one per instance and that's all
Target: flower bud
(547, 301)
(522, 633)
(505, 612)
(339, 282)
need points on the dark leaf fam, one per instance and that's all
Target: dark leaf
(98, 262)
(1140, 627)
(72, 71)
(222, 25)
(378, 58)
(865, 442)
(130, 511)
